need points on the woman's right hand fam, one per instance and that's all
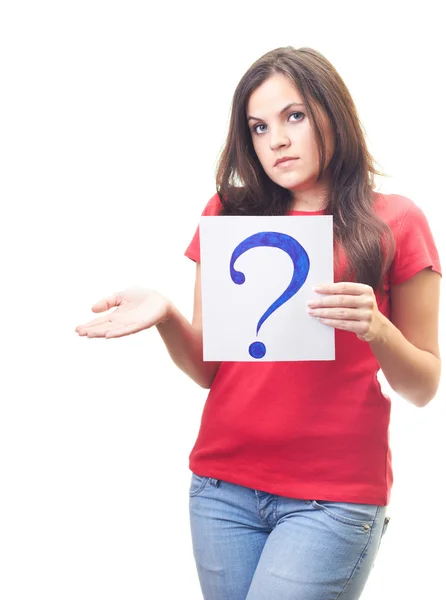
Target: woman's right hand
(137, 309)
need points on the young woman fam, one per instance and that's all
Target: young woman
(291, 467)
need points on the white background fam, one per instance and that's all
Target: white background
(112, 115)
(232, 311)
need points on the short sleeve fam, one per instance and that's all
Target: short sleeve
(212, 209)
(415, 247)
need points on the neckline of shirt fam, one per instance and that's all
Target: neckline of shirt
(308, 212)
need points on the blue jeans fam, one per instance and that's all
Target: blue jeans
(251, 545)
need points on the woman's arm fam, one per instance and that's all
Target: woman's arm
(406, 346)
(184, 341)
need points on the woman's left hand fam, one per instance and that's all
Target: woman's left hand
(349, 306)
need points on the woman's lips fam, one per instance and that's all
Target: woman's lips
(286, 163)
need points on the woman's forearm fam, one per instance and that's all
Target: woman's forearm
(412, 373)
(185, 346)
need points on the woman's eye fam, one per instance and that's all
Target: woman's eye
(297, 113)
(301, 115)
(255, 127)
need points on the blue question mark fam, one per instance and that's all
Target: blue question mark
(301, 264)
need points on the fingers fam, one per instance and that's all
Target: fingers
(358, 327)
(343, 287)
(344, 294)
(346, 305)
(348, 314)
(98, 321)
(111, 329)
(101, 306)
(92, 331)
(108, 330)
(362, 301)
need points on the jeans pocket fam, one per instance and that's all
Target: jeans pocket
(197, 484)
(358, 515)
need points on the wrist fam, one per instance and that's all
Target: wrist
(168, 313)
(380, 336)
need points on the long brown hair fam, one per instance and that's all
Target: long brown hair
(245, 189)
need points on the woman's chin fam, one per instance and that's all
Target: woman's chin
(288, 180)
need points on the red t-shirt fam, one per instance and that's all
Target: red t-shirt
(314, 430)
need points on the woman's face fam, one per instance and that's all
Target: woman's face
(280, 127)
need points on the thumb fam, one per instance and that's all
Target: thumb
(106, 303)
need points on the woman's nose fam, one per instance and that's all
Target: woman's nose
(278, 138)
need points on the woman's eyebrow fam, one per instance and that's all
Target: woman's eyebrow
(282, 111)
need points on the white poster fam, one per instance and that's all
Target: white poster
(257, 277)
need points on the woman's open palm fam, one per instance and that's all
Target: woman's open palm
(137, 309)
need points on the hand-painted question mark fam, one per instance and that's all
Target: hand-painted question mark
(301, 264)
